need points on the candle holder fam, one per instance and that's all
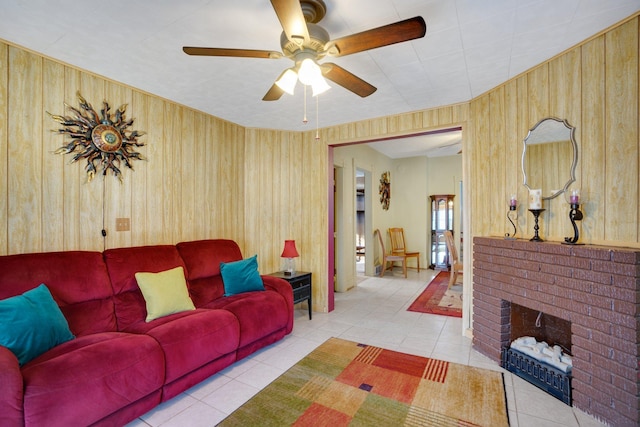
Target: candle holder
(536, 214)
(575, 214)
(508, 236)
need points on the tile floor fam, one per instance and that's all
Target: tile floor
(373, 313)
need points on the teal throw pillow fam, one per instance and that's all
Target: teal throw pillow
(241, 276)
(31, 324)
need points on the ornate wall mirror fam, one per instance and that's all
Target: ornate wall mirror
(550, 157)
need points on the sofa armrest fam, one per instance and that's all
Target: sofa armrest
(283, 288)
(11, 390)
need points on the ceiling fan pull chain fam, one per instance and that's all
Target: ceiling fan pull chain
(304, 119)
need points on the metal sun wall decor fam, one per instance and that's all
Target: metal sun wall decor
(385, 190)
(103, 140)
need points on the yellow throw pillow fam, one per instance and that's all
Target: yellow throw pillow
(164, 292)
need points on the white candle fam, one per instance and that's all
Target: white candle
(535, 199)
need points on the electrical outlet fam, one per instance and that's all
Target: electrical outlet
(123, 224)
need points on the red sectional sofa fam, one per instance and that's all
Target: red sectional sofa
(119, 366)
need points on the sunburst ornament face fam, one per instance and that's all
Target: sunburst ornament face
(104, 140)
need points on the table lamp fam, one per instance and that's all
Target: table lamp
(290, 252)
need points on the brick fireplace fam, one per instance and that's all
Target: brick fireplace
(594, 288)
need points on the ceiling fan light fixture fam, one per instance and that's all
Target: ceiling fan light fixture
(309, 72)
(287, 82)
(320, 86)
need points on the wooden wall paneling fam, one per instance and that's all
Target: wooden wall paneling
(482, 166)
(118, 192)
(4, 141)
(495, 147)
(287, 196)
(314, 220)
(25, 152)
(74, 175)
(512, 151)
(591, 144)
(297, 172)
(171, 168)
(186, 208)
(52, 164)
(156, 195)
(564, 103)
(92, 89)
(525, 219)
(460, 113)
(239, 166)
(252, 197)
(445, 115)
(621, 100)
(363, 130)
(200, 175)
(430, 118)
(138, 109)
(269, 184)
(377, 127)
(214, 177)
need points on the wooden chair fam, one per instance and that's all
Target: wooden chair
(390, 258)
(398, 247)
(456, 265)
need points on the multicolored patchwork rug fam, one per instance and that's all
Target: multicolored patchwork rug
(438, 299)
(345, 383)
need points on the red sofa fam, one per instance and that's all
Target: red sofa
(118, 366)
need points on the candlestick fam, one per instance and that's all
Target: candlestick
(575, 214)
(536, 213)
(535, 199)
(512, 208)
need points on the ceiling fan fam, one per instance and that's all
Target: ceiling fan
(305, 43)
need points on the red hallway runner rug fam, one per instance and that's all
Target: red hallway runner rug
(437, 299)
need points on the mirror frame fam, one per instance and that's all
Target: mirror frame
(574, 163)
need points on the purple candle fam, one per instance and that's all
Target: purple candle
(574, 198)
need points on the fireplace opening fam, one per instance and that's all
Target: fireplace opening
(526, 322)
(540, 351)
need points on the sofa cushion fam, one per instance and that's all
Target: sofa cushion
(32, 324)
(202, 259)
(123, 264)
(241, 276)
(259, 313)
(192, 339)
(85, 380)
(164, 292)
(77, 280)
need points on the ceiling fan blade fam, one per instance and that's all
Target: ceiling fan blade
(241, 53)
(273, 94)
(347, 80)
(402, 31)
(292, 19)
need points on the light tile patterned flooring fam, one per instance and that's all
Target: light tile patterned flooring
(375, 312)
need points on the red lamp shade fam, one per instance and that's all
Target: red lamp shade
(290, 250)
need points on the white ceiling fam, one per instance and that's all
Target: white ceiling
(471, 46)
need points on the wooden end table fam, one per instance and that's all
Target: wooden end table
(300, 282)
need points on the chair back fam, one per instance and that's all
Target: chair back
(376, 231)
(451, 247)
(397, 239)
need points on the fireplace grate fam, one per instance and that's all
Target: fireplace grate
(544, 376)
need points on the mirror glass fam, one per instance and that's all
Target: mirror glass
(549, 157)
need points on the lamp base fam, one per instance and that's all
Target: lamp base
(288, 273)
